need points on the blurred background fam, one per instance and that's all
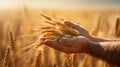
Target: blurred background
(20, 18)
(60, 3)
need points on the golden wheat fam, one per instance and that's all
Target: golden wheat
(117, 27)
(25, 41)
(56, 31)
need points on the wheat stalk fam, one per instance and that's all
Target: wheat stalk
(38, 59)
(10, 49)
(117, 27)
(6, 56)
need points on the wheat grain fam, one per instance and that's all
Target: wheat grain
(6, 57)
(48, 27)
(58, 30)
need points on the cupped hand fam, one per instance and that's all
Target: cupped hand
(78, 44)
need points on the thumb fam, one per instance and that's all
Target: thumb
(68, 23)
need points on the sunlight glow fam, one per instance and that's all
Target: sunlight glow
(58, 3)
(9, 4)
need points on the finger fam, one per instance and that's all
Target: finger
(43, 39)
(68, 23)
(77, 27)
(79, 37)
(58, 46)
(68, 42)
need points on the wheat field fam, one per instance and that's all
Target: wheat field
(20, 36)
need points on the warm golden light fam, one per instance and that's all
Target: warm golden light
(9, 4)
(58, 3)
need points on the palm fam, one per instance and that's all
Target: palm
(69, 45)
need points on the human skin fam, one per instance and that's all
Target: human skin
(105, 49)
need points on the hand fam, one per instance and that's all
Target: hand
(79, 28)
(78, 44)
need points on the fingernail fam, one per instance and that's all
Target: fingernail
(42, 39)
(66, 22)
(47, 41)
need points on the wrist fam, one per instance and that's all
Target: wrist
(96, 50)
(88, 48)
